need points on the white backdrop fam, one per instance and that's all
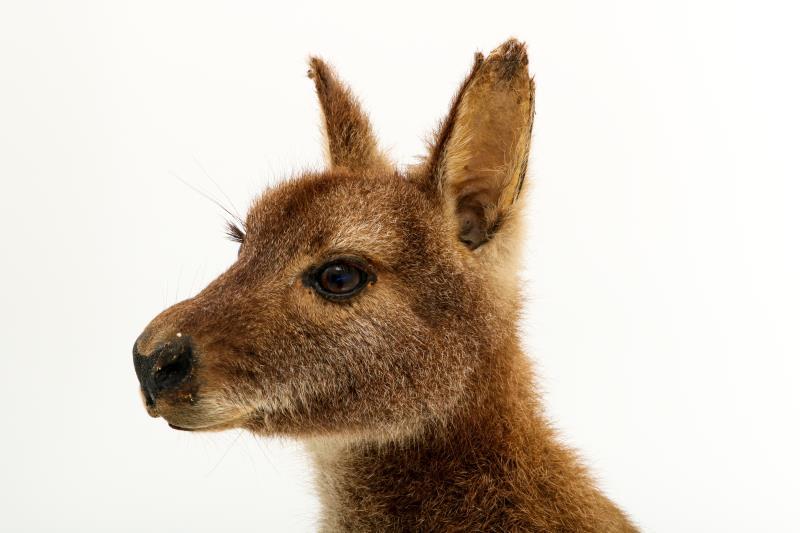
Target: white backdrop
(662, 264)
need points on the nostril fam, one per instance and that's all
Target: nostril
(166, 367)
(149, 400)
(176, 366)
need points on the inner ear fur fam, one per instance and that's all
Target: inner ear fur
(478, 157)
(350, 142)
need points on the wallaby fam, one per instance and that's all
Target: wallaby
(373, 313)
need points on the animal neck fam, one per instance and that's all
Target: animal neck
(492, 464)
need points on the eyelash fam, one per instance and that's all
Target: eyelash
(234, 232)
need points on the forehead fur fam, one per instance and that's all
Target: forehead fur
(378, 217)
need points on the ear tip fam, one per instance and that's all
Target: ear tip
(316, 67)
(509, 61)
(511, 50)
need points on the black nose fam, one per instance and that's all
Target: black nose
(165, 368)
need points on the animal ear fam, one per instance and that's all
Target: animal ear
(479, 156)
(351, 144)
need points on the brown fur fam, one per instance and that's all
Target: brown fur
(413, 397)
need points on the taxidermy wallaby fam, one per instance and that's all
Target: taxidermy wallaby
(372, 313)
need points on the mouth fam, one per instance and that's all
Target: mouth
(217, 426)
(213, 427)
(192, 418)
(179, 428)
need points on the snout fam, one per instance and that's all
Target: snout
(165, 368)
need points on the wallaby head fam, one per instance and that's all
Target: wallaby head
(365, 299)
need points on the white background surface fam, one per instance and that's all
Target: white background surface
(663, 257)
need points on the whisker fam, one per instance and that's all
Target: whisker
(265, 454)
(234, 232)
(178, 284)
(194, 279)
(224, 455)
(208, 175)
(207, 197)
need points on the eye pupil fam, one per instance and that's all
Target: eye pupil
(340, 279)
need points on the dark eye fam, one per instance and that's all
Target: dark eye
(339, 280)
